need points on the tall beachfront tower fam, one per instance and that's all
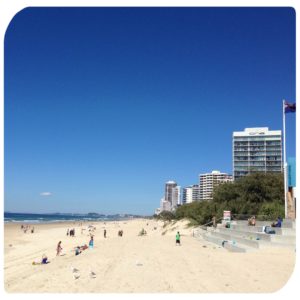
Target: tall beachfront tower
(208, 181)
(172, 194)
(256, 150)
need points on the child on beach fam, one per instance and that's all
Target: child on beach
(58, 248)
(178, 238)
(91, 243)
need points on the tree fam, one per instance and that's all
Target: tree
(256, 194)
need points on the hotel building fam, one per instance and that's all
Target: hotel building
(191, 193)
(208, 181)
(256, 150)
(172, 196)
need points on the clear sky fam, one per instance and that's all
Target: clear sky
(104, 105)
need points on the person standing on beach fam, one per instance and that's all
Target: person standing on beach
(104, 233)
(178, 238)
(58, 249)
(91, 243)
(214, 221)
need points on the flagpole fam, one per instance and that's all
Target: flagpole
(284, 160)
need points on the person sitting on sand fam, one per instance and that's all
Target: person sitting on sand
(252, 221)
(58, 249)
(84, 247)
(178, 238)
(77, 250)
(44, 260)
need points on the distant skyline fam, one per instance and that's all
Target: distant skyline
(104, 105)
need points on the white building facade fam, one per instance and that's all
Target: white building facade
(172, 197)
(256, 150)
(187, 194)
(208, 181)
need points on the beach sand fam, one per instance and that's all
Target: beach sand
(136, 264)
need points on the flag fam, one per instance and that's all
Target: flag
(289, 107)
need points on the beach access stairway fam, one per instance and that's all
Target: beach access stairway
(241, 237)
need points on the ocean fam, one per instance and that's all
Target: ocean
(52, 218)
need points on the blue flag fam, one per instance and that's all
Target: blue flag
(289, 107)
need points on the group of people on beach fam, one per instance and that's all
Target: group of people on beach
(252, 222)
(78, 249)
(26, 228)
(71, 232)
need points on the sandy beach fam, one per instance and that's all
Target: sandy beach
(136, 264)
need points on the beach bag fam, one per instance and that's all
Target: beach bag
(269, 230)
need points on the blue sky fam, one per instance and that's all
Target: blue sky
(104, 105)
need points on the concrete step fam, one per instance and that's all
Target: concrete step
(289, 239)
(247, 228)
(279, 231)
(235, 239)
(246, 234)
(228, 245)
(286, 223)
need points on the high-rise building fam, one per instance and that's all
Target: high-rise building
(208, 181)
(165, 205)
(176, 196)
(196, 192)
(256, 150)
(191, 193)
(172, 195)
(187, 194)
(169, 190)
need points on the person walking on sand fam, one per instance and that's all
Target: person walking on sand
(58, 249)
(104, 233)
(178, 238)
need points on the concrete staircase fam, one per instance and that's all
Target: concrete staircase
(243, 238)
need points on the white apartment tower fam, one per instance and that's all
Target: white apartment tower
(172, 195)
(187, 194)
(191, 193)
(256, 150)
(209, 181)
